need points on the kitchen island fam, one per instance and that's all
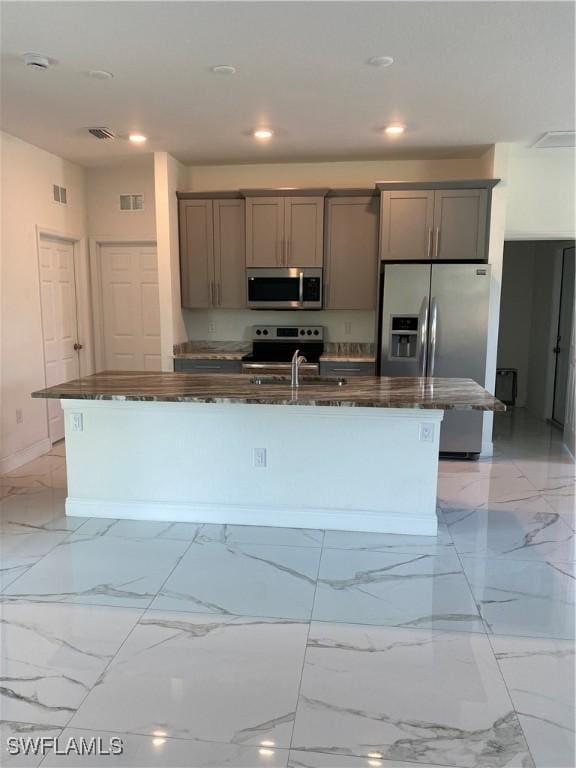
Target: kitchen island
(181, 447)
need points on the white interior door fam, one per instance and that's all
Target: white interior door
(59, 323)
(131, 309)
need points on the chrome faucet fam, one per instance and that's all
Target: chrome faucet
(297, 360)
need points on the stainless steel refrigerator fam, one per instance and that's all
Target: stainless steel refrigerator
(434, 322)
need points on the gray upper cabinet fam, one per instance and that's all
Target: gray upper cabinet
(212, 253)
(196, 253)
(435, 220)
(351, 252)
(303, 231)
(229, 254)
(265, 232)
(284, 231)
(460, 219)
(406, 222)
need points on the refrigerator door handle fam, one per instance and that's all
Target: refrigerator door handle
(423, 320)
(433, 335)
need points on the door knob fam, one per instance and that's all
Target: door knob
(78, 346)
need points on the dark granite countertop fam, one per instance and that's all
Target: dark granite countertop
(361, 391)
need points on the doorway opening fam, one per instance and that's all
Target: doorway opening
(536, 317)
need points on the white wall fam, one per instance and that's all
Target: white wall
(103, 189)
(516, 313)
(28, 174)
(169, 177)
(234, 325)
(497, 167)
(542, 194)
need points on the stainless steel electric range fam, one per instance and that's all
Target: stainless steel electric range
(274, 345)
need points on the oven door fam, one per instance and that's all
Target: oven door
(284, 288)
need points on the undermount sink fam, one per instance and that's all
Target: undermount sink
(313, 381)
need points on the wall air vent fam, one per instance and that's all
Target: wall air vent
(102, 133)
(556, 140)
(59, 194)
(132, 202)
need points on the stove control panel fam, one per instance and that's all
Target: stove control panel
(287, 332)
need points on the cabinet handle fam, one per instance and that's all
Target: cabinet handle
(288, 250)
(430, 243)
(437, 242)
(211, 293)
(219, 293)
(206, 368)
(347, 369)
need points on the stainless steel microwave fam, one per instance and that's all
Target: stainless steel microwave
(284, 288)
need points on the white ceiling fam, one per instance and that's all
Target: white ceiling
(466, 74)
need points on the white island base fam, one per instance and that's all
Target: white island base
(342, 468)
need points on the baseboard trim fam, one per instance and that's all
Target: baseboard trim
(339, 520)
(15, 460)
(487, 450)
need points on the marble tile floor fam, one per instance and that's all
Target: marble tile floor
(205, 645)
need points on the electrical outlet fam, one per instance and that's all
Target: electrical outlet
(426, 433)
(211, 327)
(347, 329)
(19, 416)
(76, 422)
(259, 457)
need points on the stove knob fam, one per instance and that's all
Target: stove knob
(265, 332)
(302, 333)
(258, 332)
(309, 333)
(316, 333)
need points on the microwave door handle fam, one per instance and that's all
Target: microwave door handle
(423, 336)
(301, 288)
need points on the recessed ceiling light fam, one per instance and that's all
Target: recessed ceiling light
(137, 138)
(100, 74)
(381, 61)
(224, 69)
(263, 134)
(394, 130)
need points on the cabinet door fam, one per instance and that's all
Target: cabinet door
(303, 231)
(196, 253)
(264, 231)
(406, 224)
(460, 218)
(351, 252)
(229, 254)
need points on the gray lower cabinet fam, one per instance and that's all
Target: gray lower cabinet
(434, 224)
(347, 368)
(351, 253)
(207, 365)
(212, 241)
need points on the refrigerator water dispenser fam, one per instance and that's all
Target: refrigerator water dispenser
(404, 337)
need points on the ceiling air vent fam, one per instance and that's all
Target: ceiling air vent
(132, 202)
(101, 133)
(556, 140)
